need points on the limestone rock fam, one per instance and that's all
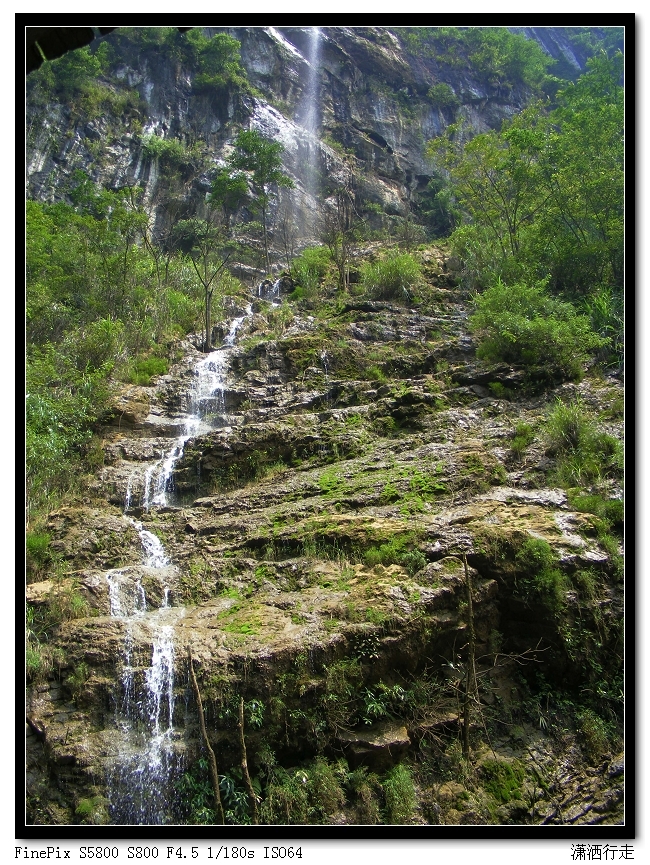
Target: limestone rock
(378, 746)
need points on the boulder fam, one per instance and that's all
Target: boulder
(378, 746)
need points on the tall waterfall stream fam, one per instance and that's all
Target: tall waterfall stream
(147, 756)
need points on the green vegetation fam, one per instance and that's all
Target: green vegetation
(354, 550)
(523, 437)
(494, 54)
(98, 309)
(524, 324)
(93, 810)
(595, 734)
(142, 371)
(584, 454)
(502, 779)
(219, 62)
(400, 795)
(542, 578)
(544, 196)
(392, 277)
(309, 268)
(171, 152)
(261, 159)
(442, 96)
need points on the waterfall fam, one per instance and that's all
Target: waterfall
(155, 556)
(141, 788)
(311, 116)
(206, 406)
(146, 762)
(141, 779)
(268, 290)
(312, 90)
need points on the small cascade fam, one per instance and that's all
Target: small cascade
(140, 783)
(324, 359)
(126, 598)
(269, 290)
(206, 404)
(155, 556)
(129, 493)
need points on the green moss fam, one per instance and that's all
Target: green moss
(502, 779)
(93, 810)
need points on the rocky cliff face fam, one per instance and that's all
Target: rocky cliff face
(313, 533)
(372, 118)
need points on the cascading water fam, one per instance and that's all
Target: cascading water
(141, 778)
(206, 402)
(311, 114)
(268, 290)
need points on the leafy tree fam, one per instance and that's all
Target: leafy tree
(545, 195)
(219, 61)
(581, 228)
(229, 191)
(442, 96)
(75, 68)
(203, 241)
(339, 223)
(497, 56)
(261, 159)
(436, 208)
(496, 179)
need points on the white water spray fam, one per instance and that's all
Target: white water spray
(311, 114)
(206, 407)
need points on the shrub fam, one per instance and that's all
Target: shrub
(523, 436)
(142, 371)
(523, 324)
(399, 792)
(37, 545)
(324, 789)
(414, 561)
(610, 510)
(170, 150)
(584, 453)
(442, 96)
(594, 733)
(286, 798)
(309, 268)
(392, 277)
(37, 662)
(541, 575)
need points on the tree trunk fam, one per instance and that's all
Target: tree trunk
(244, 763)
(267, 263)
(208, 318)
(212, 760)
